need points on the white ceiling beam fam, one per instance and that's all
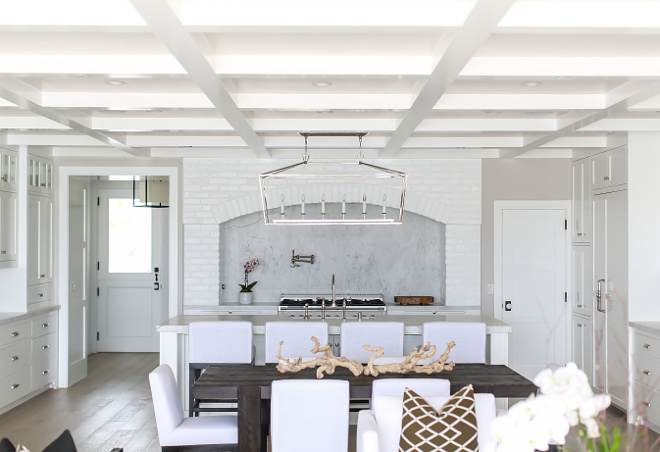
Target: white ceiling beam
(155, 140)
(458, 142)
(132, 123)
(577, 141)
(164, 23)
(510, 101)
(322, 65)
(490, 124)
(29, 122)
(135, 65)
(318, 102)
(478, 26)
(323, 123)
(46, 139)
(298, 142)
(124, 101)
(579, 120)
(264, 14)
(622, 14)
(553, 66)
(20, 93)
(70, 13)
(624, 124)
(650, 104)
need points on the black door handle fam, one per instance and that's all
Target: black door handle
(507, 306)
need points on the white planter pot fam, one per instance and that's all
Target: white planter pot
(245, 298)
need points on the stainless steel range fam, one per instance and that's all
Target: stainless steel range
(321, 305)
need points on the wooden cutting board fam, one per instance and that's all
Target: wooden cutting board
(406, 300)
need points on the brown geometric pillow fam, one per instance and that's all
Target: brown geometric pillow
(453, 429)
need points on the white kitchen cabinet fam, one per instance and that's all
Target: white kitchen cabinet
(8, 227)
(645, 406)
(609, 170)
(582, 340)
(581, 230)
(40, 175)
(610, 318)
(40, 240)
(28, 351)
(8, 170)
(582, 281)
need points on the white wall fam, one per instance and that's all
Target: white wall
(643, 226)
(217, 190)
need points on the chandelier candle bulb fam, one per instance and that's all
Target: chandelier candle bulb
(302, 206)
(364, 204)
(343, 205)
(282, 206)
(323, 205)
(384, 205)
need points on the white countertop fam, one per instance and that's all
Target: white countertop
(646, 327)
(13, 317)
(413, 323)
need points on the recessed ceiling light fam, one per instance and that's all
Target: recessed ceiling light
(536, 113)
(493, 112)
(79, 75)
(154, 111)
(531, 83)
(563, 77)
(321, 84)
(114, 82)
(325, 112)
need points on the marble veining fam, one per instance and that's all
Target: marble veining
(408, 259)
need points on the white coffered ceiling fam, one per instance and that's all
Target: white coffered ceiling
(424, 78)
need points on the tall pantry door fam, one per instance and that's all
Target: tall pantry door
(610, 243)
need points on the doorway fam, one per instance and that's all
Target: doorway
(531, 281)
(131, 266)
(78, 327)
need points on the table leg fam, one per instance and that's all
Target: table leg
(249, 419)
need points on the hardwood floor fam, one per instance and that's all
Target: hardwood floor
(110, 408)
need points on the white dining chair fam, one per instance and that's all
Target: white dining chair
(426, 387)
(353, 335)
(470, 339)
(216, 342)
(296, 337)
(175, 430)
(309, 415)
(379, 429)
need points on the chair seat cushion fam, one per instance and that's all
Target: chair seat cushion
(204, 430)
(453, 428)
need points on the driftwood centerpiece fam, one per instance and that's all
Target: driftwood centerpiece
(326, 363)
(410, 363)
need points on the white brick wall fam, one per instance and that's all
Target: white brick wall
(217, 190)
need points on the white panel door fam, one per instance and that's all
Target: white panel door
(534, 287)
(78, 277)
(8, 217)
(611, 311)
(130, 250)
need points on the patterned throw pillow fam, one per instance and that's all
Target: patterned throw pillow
(453, 429)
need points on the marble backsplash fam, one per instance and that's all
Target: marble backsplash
(407, 259)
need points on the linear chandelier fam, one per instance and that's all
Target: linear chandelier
(333, 193)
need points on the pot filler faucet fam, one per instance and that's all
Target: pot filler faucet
(334, 301)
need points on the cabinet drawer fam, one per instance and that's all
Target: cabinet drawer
(646, 403)
(14, 386)
(43, 347)
(39, 293)
(44, 325)
(44, 372)
(647, 346)
(14, 332)
(647, 370)
(14, 357)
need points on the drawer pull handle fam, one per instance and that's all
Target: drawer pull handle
(44, 372)
(45, 347)
(15, 334)
(648, 404)
(579, 325)
(40, 295)
(3, 252)
(14, 386)
(42, 276)
(15, 358)
(647, 373)
(647, 346)
(45, 325)
(5, 179)
(606, 178)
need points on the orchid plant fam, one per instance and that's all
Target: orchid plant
(565, 400)
(249, 266)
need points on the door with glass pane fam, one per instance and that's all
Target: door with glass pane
(129, 278)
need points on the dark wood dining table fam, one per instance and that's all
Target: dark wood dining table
(250, 385)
